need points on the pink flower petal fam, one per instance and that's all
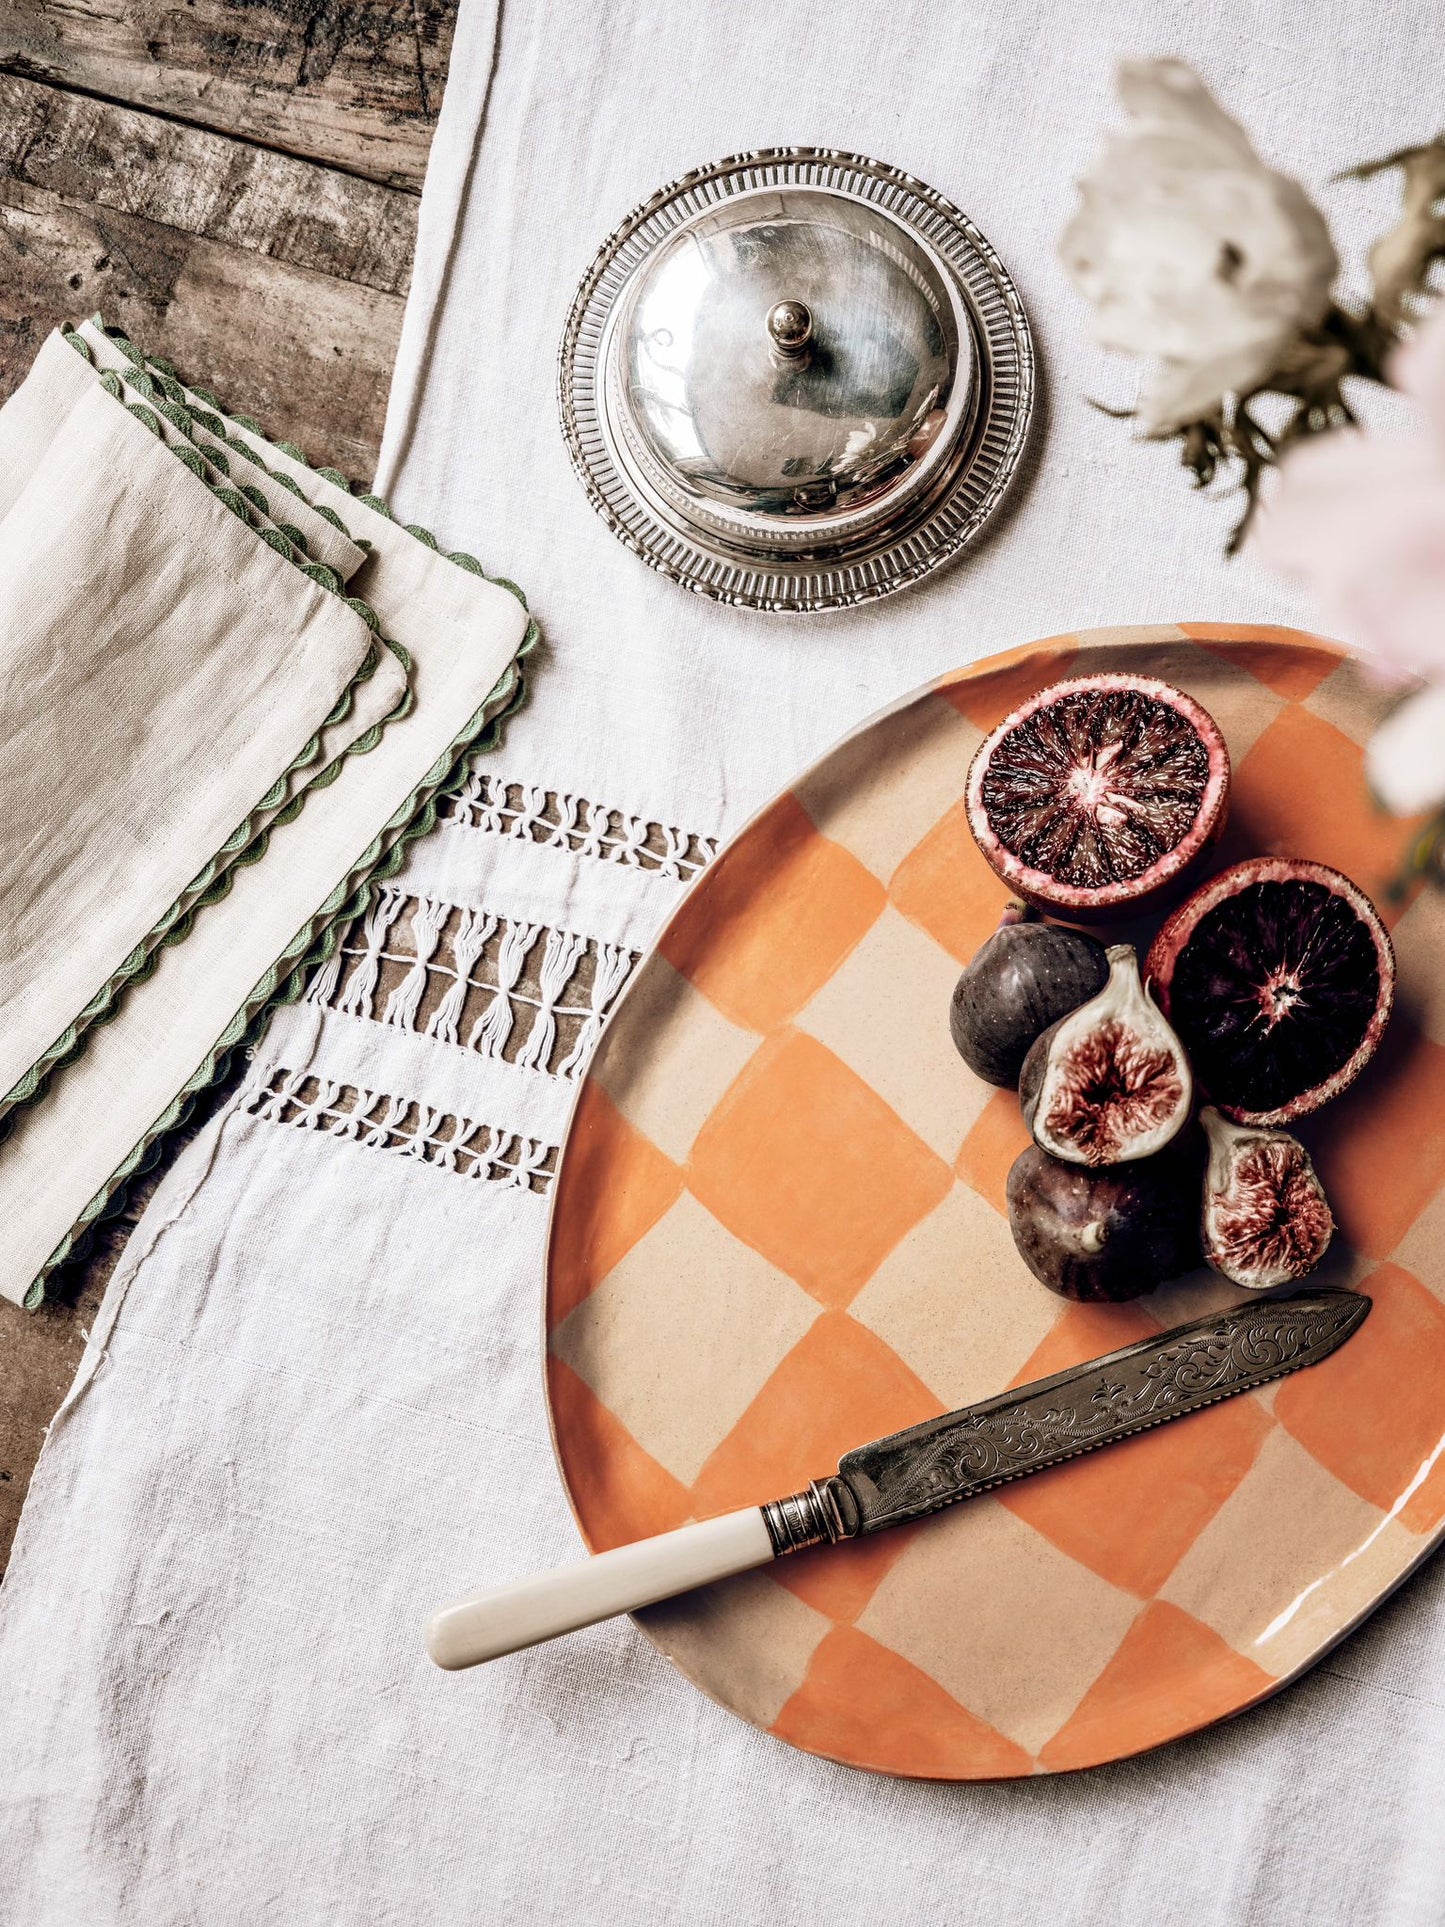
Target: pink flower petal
(1418, 368)
(1360, 522)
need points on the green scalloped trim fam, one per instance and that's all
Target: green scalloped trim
(164, 376)
(246, 845)
(316, 941)
(166, 397)
(181, 391)
(248, 842)
(312, 945)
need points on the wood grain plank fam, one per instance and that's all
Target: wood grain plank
(94, 155)
(277, 282)
(355, 83)
(39, 1354)
(310, 357)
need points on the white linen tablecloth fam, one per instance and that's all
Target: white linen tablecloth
(311, 1409)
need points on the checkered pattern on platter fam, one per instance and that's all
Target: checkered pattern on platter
(780, 1232)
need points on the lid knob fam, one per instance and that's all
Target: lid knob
(790, 324)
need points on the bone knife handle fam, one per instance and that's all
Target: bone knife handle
(492, 1623)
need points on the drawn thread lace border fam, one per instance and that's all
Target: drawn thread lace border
(354, 994)
(580, 826)
(404, 1126)
(315, 942)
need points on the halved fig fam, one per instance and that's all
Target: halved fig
(1028, 975)
(1280, 977)
(1108, 1234)
(1110, 1081)
(1093, 798)
(1266, 1219)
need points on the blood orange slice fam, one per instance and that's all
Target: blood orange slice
(1279, 977)
(1093, 798)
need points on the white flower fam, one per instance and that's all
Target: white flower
(1193, 253)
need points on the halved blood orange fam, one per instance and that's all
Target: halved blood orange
(1094, 797)
(1279, 977)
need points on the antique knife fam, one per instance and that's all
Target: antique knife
(916, 1472)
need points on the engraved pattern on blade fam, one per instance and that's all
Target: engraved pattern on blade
(946, 1459)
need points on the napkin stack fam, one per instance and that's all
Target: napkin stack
(231, 692)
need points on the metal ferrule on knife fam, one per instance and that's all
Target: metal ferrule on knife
(825, 1513)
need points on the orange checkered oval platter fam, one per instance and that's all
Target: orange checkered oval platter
(779, 1231)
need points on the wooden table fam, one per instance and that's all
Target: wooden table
(238, 184)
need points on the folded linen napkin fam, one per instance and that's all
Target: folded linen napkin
(379, 692)
(162, 671)
(70, 1152)
(66, 368)
(319, 534)
(379, 695)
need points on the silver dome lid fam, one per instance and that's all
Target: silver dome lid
(796, 380)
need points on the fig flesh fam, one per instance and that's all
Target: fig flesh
(1110, 1082)
(1093, 798)
(1028, 975)
(1266, 1218)
(1107, 1234)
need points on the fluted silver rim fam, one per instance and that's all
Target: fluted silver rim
(937, 527)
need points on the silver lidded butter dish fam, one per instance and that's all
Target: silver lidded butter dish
(796, 379)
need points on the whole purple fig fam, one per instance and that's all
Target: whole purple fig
(1027, 976)
(1109, 1233)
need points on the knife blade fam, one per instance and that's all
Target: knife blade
(922, 1469)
